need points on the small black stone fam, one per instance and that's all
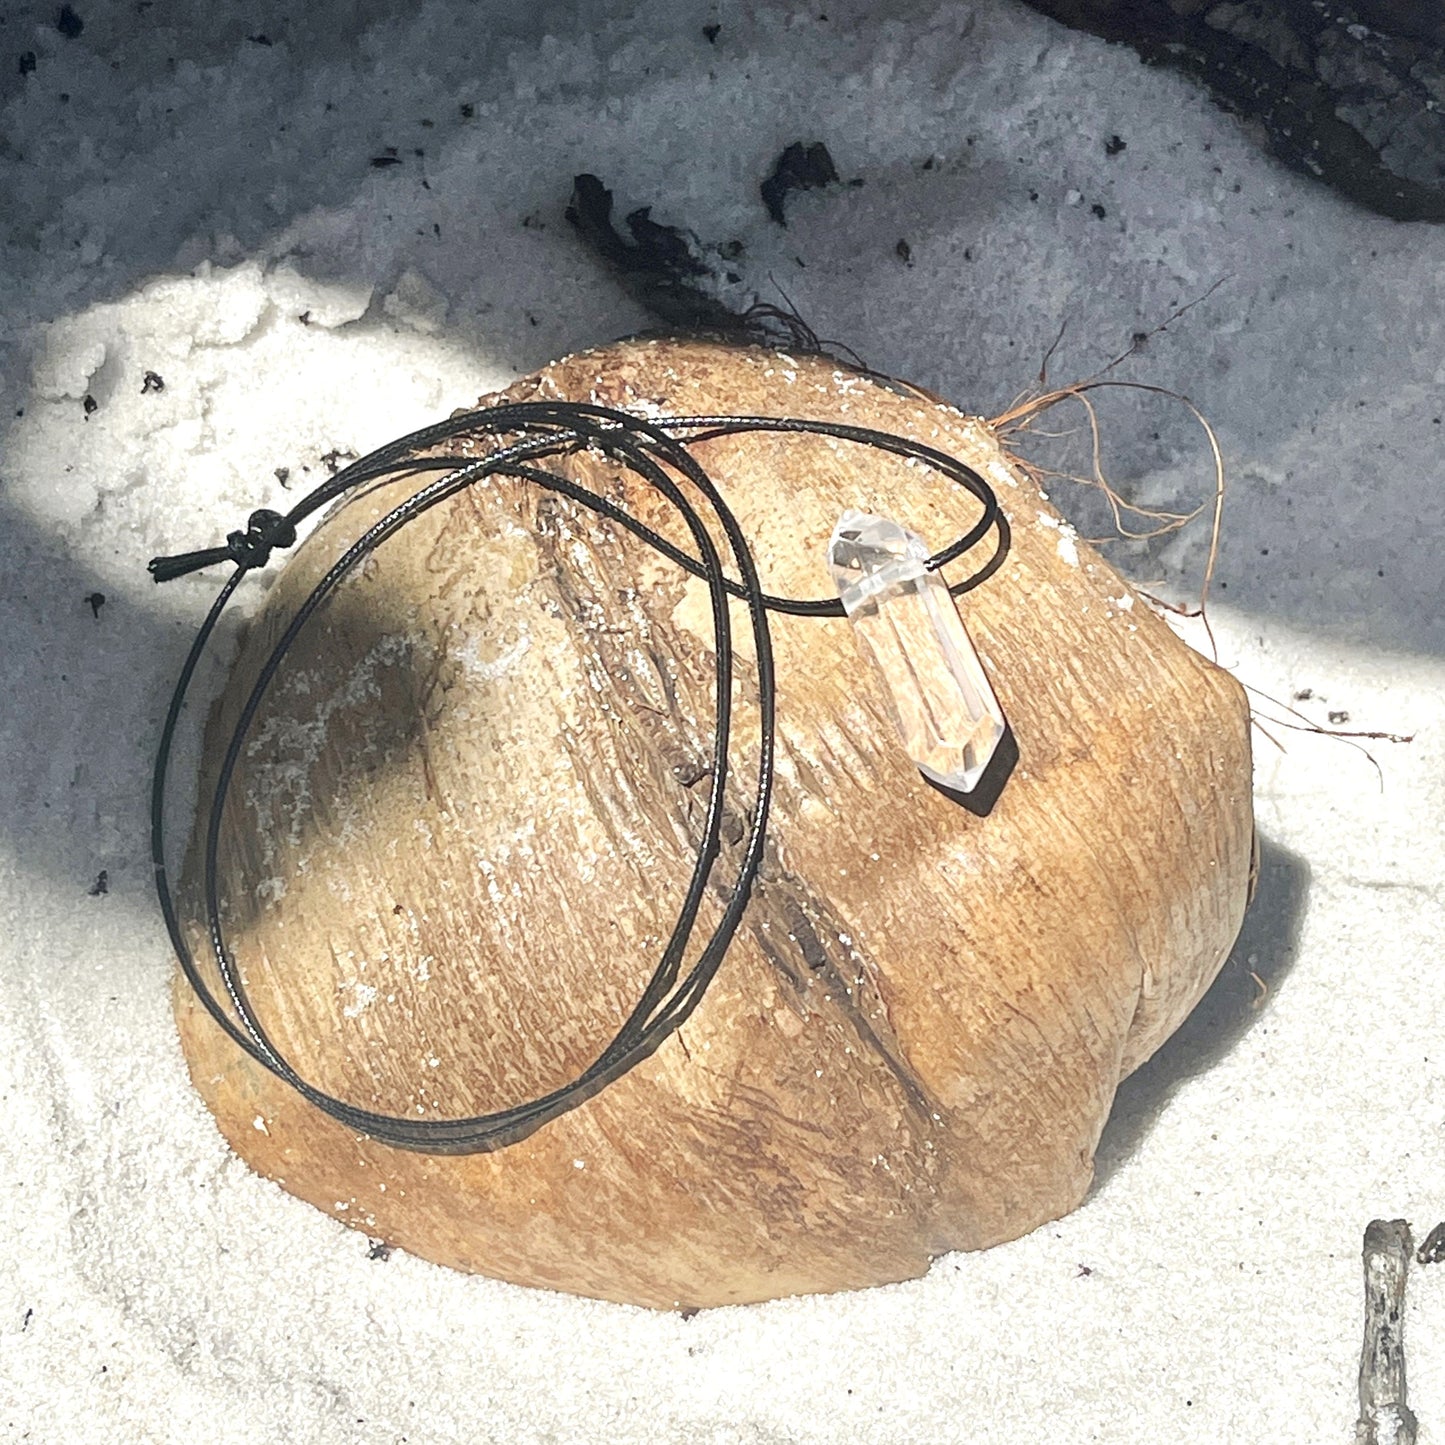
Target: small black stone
(95, 601)
(89, 404)
(1114, 145)
(379, 1249)
(101, 886)
(712, 32)
(799, 168)
(68, 23)
(152, 381)
(1339, 717)
(1098, 210)
(259, 39)
(27, 62)
(904, 252)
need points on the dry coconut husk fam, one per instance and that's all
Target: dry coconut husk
(468, 809)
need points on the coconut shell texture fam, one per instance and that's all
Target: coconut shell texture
(467, 811)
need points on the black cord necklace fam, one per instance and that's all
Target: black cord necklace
(657, 451)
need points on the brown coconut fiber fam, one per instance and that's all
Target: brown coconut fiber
(468, 808)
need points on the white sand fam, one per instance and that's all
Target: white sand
(178, 217)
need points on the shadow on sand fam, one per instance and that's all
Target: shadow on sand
(1266, 947)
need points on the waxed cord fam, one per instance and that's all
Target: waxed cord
(657, 451)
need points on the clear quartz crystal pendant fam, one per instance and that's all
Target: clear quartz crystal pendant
(908, 623)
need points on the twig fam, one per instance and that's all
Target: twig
(1385, 1419)
(1029, 405)
(1304, 724)
(1142, 338)
(1049, 354)
(1022, 412)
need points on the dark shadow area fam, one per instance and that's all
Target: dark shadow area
(101, 115)
(1266, 947)
(985, 794)
(55, 647)
(1342, 93)
(112, 110)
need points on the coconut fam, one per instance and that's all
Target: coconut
(468, 809)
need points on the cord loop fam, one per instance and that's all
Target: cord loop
(658, 452)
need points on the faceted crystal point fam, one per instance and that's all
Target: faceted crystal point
(908, 623)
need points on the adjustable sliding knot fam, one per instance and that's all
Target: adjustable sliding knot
(265, 530)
